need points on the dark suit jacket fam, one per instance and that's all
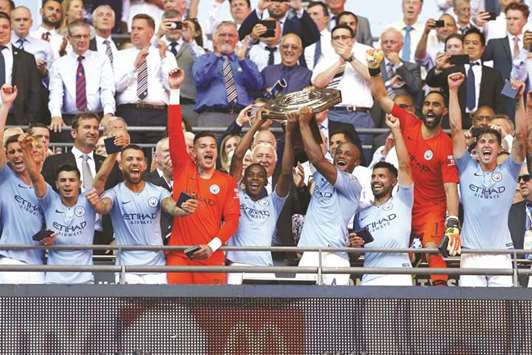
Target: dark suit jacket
(304, 27)
(491, 85)
(27, 79)
(363, 34)
(498, 50)
(93, 46)
(166, 219)
(410, 74)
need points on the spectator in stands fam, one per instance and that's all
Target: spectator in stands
(227, 148)
(319, 13)
(80, 81)
(435, 175)
(482, 117)
(432, 42)
(484, 84)
(52, 16)
(240, 9)
(301, 24)
(103, 20)
(346, 71)
(176, 5)
(41, 132)
(335, 199)
(410, 27)
(162, 176)
(7, 6)
(266, 51)
(73, 10)
(18, 203)
(112, 124)
(400, 77)
(153, 9)
(388, 218)
(260, 209)
(215, 192)
(224, 79)
(497, 28)
(296, 77)
(486, 223)
(363, 32)
(462, 13)
(141, 77)
(21, 21)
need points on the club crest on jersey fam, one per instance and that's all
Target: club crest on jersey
(496, 176)
(152, 202)
(214, 189)
(79, 211)
(388, 206)
(264, 202)
(428, 154)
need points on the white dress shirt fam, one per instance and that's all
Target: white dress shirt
(355, 89)
(102, 48)
(78, 154)
(55, 39)
(134, 7)
(100, 88)
(326, 49)
(195, 47)
(126, 76)
(415, 36)
(259, 55)
(7, 52)
(477, 70)
(40, 49)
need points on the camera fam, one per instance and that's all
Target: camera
(176, 25)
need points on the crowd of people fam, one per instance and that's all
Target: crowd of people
(158, 137)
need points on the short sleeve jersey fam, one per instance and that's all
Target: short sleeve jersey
(136, 220)
(390, 225)
(256, 228)
(21, 217)
(330, 210)
(71, 225)
(432, 164)
(487, 198)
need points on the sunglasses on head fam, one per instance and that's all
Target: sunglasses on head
(524, 178)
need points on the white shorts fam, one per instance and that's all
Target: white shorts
(19, 277)
(311, 258)
(146, 279)
(389, 280)
(236, 278)
(491, 261)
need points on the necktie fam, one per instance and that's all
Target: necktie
(317, 52)
(173, 48)
(2, 66)
(388, 84)
(20, 43)
(229, 81)
(81, 93)
(46, 36)
(86, 174)
(516, 47)
(406, 47)
(271, 55)
(471, 96)
(108, 51)
(142, 80)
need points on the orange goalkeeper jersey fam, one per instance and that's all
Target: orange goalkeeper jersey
(219, 208)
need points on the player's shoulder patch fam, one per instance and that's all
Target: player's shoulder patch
(450, 160)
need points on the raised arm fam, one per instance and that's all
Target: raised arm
(8, 95)
(376, 84)
(39, 184)
(455, 115)
(283, 183)
(421, 49)
(107, 166)
(521, 125)
(405, 172)
(313, 150)
(188, 207)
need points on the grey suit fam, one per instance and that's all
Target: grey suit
(410, 74)
(363, 30)
(185, 56)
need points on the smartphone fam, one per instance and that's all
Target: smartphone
(110, 146)
(189, 251)
(459, 59)
(270, 25)
(443, 246)
(183, 197)
(439, 23)
(42, 234)
(493, 16)
(365, 235)
(508, 90)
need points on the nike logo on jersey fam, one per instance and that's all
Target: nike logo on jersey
(477, 174)
(125, 202)
(57, 211)
(22, 186)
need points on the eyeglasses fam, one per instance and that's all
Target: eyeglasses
(524, 178)
(341, 37)
(290, 46)
(78, 37)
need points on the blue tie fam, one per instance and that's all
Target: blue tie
(2, 67)
(406, 47)
(317, 52)
(471, 97)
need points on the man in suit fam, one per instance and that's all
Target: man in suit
(301, 24)
(18, 68)
(363, 33)
(313, 53)
(162, 176)
(483, 84)
(85, 133)
(103, 20)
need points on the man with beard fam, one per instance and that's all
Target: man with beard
(216, 193)
(20, 214)
(433, 168)
(335, 199)
(388, 219)
(135, 208)
(259, 210)
(52, 16)
(487, 189)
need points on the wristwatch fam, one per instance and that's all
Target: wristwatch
(349, 59)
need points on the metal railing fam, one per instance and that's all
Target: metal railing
(320, 269)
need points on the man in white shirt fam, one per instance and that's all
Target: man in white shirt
(240, 9)
(103, 20)
(80, 81)
(410, 27)
(345, 71)
(320, 15)
(266, 52)
(141, 77)
(52, 16)
(131, 8)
